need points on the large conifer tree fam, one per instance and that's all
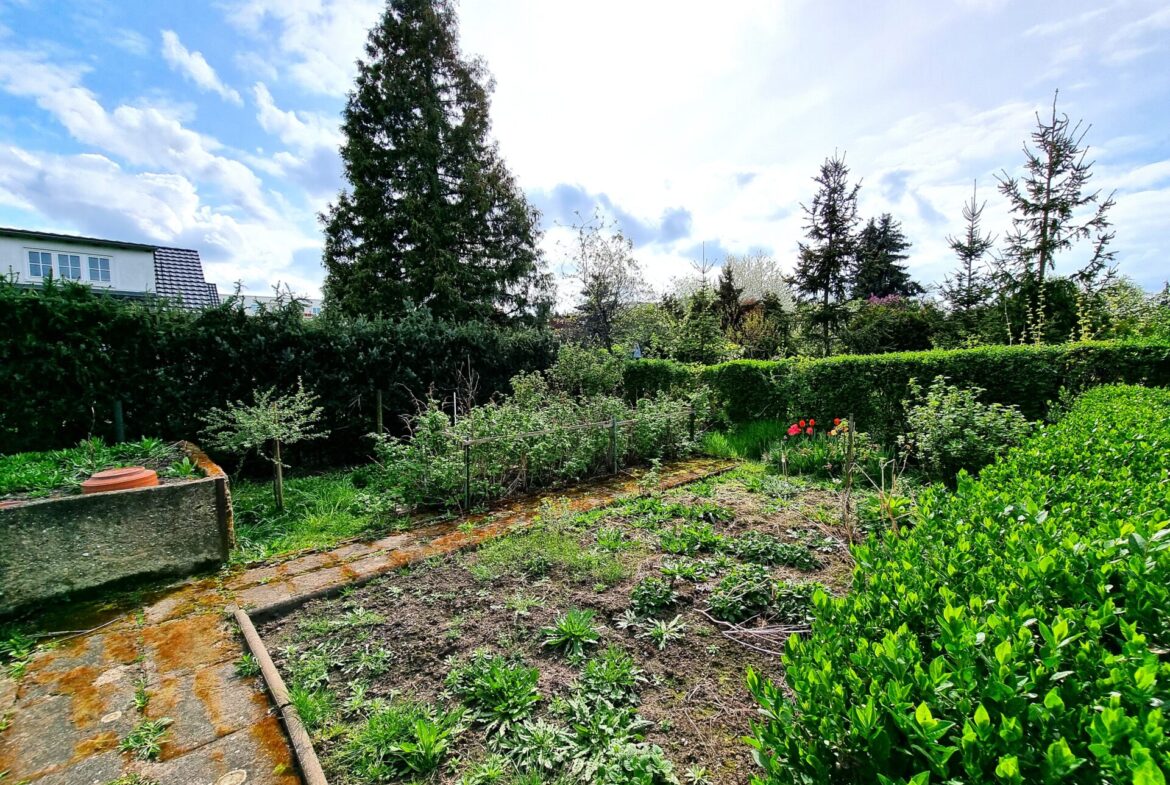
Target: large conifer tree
(1052, 210)
(877, 269)
(432, 217)
(822, 271)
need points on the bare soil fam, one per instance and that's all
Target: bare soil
(695, 692)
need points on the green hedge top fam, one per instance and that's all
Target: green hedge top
(872, 387)
(1018, 633)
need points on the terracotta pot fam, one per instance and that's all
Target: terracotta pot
(120, 480)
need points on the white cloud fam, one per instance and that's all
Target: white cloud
(300, 130)
(193, 66)
(316, 41)
(141, 135)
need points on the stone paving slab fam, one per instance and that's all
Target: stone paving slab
(77, 700)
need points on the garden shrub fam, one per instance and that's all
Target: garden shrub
(169, 365)
(951, 429)
(872, 387)
(428, 466)
(1016, 632)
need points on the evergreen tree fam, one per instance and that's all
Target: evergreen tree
(969, 287)
(1052, 211)
(877, 269)
(432, 216)
(727, 299)
(823, 267)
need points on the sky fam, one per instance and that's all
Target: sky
(696, 127)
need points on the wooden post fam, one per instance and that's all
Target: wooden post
(119, 422)
(466, 474)
(846, 521)
(278, 476)
(613, 463)
(378, 412)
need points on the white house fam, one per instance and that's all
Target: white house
(252, 303)
(124, 269)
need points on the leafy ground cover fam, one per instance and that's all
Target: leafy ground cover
(587, 648)
(1016, 632)
(37, 474)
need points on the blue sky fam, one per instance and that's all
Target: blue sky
(215, 125)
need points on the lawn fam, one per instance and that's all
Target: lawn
(320, 512)
(588, 647)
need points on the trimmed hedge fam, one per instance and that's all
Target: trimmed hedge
(1017, 633)
(872, 387)
(68, 352)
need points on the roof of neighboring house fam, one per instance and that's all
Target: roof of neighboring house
(75, 238)
(178, 274)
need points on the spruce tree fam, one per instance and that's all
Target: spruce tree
(432, 218)
(969, 287)
(822, 269)
(878, 270)
(727, 299)
(1053, 210)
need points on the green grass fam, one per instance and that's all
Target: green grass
(746, 440)
(39, 473)
(319, 512)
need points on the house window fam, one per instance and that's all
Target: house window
(69, 266)
(99, 269)
(40, 264)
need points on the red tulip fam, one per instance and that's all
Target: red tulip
(812, 422)
(809, 431)
(802, 423)
(836, 421)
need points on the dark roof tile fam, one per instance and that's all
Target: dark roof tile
(178, 275)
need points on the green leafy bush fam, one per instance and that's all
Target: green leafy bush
(500, 692)
(572, 632)
(651, 595)
(763, 548)
(1016, 633)
(428, 467)
(747, 591)
(871, 388)
(402, 739)
(690, 539)
(166, 364)
(950, 429)
(611, 676)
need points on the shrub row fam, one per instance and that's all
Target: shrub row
(1016, 634)
(69, 352)
(872, 387)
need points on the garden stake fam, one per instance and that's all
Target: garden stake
(613, 443)
(692, 422)
(119, 422)
(467, 474)
(378, 412)
(846, 522)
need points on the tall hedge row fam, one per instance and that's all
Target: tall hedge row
(1016, 633)
(67, 353)
(872, 387)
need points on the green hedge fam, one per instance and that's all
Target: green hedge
(872, 387)
(69, 352)
(1016, 634)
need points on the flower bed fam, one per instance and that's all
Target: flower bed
(55, 546)
(589, 647)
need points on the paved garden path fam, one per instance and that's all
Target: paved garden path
(67, 715)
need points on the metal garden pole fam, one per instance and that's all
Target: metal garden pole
(466, 474)
(613, 443)
(119, 422)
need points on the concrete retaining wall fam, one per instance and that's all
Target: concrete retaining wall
(53, 547)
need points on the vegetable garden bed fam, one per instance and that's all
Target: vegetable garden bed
(607, 646)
